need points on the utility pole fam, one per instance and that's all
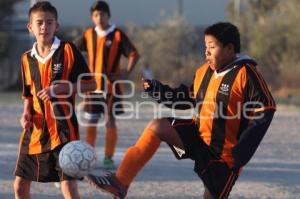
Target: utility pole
(237, 9)
(180, 8)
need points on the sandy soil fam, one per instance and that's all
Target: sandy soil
(273, 173)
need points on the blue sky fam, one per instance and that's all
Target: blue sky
(140, 12)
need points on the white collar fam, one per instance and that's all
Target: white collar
(216, 74)
(103, 33)
(34, 52)
(239, 57)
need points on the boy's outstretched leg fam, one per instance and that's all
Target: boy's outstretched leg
(91, 134)
(136, 157)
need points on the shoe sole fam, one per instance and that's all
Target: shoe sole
(101, 189)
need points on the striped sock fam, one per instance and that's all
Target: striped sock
(137, 156)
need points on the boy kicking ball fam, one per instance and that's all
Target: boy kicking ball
(234, 110)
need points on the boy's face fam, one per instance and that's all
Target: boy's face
(218, 55)
(43, 26)
(100, 18)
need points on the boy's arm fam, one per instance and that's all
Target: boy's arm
(85, 86)
(251, 138)
(82, 86)
(129, 50)
(260, 108)
(28, 103)
(26, 118)
(60, 89)
(177, 98)
(132, 60)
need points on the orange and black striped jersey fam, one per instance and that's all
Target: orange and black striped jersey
(224, 102)
(104, 52)
(54, 121)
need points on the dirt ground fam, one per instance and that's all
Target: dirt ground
(273, 173)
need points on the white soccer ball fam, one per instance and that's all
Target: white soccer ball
(77, 159)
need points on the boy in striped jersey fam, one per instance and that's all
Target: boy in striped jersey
(51, 76)
(105, 44)
(234, 109)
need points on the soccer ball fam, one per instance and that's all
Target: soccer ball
(77, 159)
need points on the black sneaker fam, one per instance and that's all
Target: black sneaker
(108, 183)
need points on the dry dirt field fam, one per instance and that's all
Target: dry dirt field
(273, 173)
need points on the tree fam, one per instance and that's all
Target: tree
(270, 33)
(171, 48)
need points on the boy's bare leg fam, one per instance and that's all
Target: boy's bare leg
(22, 188)
(91, 134)
(111, 136)
(207, 194)
(69, 189)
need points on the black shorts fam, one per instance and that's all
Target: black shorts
(217, 177)
(97, 104)
(42, 167)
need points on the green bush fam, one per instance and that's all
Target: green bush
(170, 48)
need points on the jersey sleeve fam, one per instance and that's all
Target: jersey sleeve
(251, 137)
(176, 98)
(128, 49)
(257, 94)
(26, 88)
(80, 68)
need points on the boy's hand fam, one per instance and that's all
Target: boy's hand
(54, 91)
(147, 84)
(46, 93)
(26, 121)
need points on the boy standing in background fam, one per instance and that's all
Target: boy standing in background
(105, 44)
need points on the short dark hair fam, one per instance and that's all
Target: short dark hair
(226, 33)
(44, 6)
(100, 6)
